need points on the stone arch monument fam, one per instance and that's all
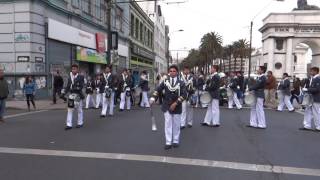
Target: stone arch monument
(283, 38)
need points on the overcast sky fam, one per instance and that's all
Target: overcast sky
(230, 18)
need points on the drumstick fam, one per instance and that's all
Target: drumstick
(153, 120)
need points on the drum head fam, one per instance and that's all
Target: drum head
(229, 92)
(205, 98)
(249, 99)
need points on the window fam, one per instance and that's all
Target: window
(76, 3)
(141, 32)
(119, 18)
(278, 66)
(86, 6)
(132, 25)
(279, 44)
(97, 7)
(151, 40)
(137, 29)
(295, 60)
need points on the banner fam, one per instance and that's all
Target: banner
(90, 55)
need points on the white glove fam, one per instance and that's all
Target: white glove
(304, 89)
(152, 100)
(204, 87)
(63, 91)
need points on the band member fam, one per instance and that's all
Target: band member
(257, 116)
(99, 90)
(284, 91)
(74, 87)
(187, 110)
(108, 92)
(125, 84)
(313, 88)
(235, 87)
(89, 91)
(145, 88)
(174, 94)
(200, 82)
(213, 111)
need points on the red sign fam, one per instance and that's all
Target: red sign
(100, 42)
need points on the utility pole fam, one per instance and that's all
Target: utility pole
(249, 70)
(109, 36)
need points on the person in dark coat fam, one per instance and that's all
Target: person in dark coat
(284, 93)
(174, 94)
(144, 85)
(4, 92)
(57, 87)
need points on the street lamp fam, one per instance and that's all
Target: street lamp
(251, 25)
(180, 30)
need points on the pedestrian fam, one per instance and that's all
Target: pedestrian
(212, 117)
(75, 99)
(312, 111)
(235, 87)
(257, 115)
(57, 87)
(124, 86)
(174, 94)
(296, 93)
(108, 92)
(89, 91)
(144, 85)
(270, 91)
(187, 109)
(29, 90)
(241, 90)
(284, 94)
(99, 90)
(4, 92)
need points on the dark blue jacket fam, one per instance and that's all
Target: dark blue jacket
(234, 84)
(29, 88)
(169, 97)
(144, 85)
(259, 86)
(107, 80)
(76, 87)
(285, 87)
(314, 89)
(213, 86)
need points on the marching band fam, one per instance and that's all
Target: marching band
(181, 92)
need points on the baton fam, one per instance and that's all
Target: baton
(153, 120)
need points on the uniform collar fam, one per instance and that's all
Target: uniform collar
(316, 76)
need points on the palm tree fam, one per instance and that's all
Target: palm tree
(244, 50)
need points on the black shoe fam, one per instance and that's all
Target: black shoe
(67, 128)
(175, 145)
(204, 124)
(189, 126)
(317, 130)
(166, 147)
(292, 111)
(249, 126)
(261, 127)
(182, 127)
(79, 126)
(216, 125)
(120, 110)
(102, 116)
(305, 129)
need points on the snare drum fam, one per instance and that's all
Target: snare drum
(307, 100)
(249, 98)
(73, 100)
(229, 92)
(205, 99)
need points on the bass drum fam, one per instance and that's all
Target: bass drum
(205, 99)
(249, 98)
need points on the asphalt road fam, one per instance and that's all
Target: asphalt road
(281, 144)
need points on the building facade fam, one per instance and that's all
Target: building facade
(142, 55)
(39, 37)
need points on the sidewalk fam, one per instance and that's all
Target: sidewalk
(40, 104)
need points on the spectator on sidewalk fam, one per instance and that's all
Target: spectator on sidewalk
(4, 92)
(296, 92)
(270, 91)
(29, 90)
(57, 87)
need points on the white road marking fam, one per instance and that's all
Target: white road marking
(167, 160)
(22, 114)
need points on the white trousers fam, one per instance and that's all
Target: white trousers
(187, 114)
(213, 113)
(107, 102)
(234, 100)
(312, 112)
(125, 100)
(98, 100)
(145, 100)
(257, 116)
(172, 127)
(90, 101)
(70, 115)
(285, 100)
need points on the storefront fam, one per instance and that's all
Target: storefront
(141, 60)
